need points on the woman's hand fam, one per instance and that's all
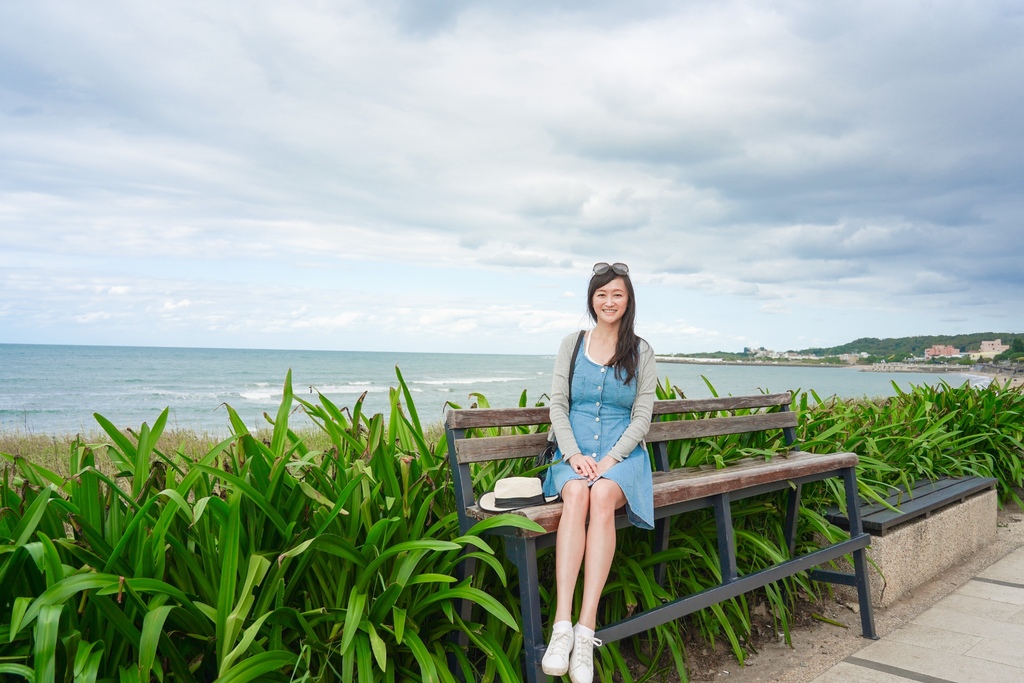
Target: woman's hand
(584, 465)
(605, 465)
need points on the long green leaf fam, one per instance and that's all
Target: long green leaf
(45, 646)
(257, 666)
(25, 672)
(152, 628)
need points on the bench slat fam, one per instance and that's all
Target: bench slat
(719, 426)
(928, 496)
(920, 488)
(708, 405)
(496, 417)
(500, 447)
(484, 449)
(517, 417)
(693, 483)
(687, 484)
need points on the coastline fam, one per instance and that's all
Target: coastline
(747, 364)
(877, 367)
(1015, 380)
(1003, 375)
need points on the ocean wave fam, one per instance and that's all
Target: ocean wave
(186, 395)
(350, 388)
(259, 394)
(476, 380)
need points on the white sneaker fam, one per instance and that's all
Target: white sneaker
(556, 657)
(582, 665)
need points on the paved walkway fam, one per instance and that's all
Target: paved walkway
(974, 635)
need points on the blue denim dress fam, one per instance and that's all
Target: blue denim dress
(599, 414)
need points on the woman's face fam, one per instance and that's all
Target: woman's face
(611, 301)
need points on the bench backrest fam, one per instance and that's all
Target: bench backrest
(716, 418)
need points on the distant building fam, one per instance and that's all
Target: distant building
(761, 352)
(940, 351)
(990, 349)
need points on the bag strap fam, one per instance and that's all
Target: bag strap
(572, 365)
(572, 370)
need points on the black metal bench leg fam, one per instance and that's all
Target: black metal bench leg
(466, 568)
(523, 552)
(860, 557)
(722, 504)
(660, 544)
(792, 518)
(789, 532)
(867, 617)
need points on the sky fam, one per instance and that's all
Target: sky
(441, 175)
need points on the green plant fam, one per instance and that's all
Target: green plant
(330, 555)
(262, 560)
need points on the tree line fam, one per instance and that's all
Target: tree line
(906, 347)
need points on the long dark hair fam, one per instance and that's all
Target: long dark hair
(627, 348)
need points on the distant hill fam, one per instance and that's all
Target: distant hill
(913, 346)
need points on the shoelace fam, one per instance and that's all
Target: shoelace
(586, 654)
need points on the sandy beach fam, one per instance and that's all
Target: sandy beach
(1015, 379)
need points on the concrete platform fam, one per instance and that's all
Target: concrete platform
(914, 553)
(973, 635)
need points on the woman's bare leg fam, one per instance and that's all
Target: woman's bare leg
(570, 544)
(605, 498)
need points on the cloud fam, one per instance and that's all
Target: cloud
(775, 308)
(409, 173)
(511, 256)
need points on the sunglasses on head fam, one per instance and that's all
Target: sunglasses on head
(617, 268)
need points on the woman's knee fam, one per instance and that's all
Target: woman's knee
(576, 494)
(606, 497)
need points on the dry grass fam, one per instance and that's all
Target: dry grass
(52, 451)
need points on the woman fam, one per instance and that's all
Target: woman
(601, 463)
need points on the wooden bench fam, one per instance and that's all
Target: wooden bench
(924, 498)
(675, 492)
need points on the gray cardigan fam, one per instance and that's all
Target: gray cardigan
(640, 417)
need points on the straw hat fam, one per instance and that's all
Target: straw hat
(512, 493)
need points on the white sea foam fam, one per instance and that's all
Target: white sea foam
(472, 380)
(184, 395)
(259, 394)
(350, 388)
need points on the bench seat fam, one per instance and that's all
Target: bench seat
(686, 484)
(925, 497)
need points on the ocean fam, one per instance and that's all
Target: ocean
(48, 389)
